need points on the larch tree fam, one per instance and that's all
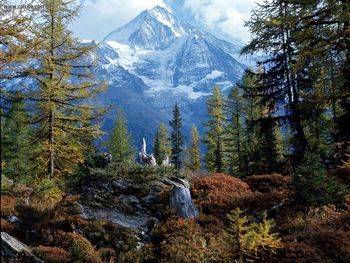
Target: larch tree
(119, 143)
(215, 133)
(63, 108)
(176, 138)
(194, 162)
(161, 147)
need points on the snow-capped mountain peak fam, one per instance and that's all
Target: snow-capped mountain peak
(158, 59)
(165, 17)
(151, 29)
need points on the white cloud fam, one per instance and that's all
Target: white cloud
(99, 17)
(224, 17)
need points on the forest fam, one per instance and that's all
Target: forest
(273, 184)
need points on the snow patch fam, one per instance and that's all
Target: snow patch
(165, 20)
(128, 56)
(214, 74)
(188, 90)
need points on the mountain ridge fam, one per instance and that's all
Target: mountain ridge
(156, 60)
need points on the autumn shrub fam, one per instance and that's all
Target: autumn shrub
(267, 183)
(210, 223)
(318, 216)
(52, 254)
(258, 202)
(81, 248)
(251, 240)
(293, 251)
(6, 226)
(217, 248)
(335, 245)
(107, 255)
(312, 185)
(217, 194)
(183, 240)
(114, 233)
(47, 193)
(146, 254)
(66, 215)
(22, 191)
(8, 205)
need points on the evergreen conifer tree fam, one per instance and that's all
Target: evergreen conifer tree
(16, 146)
(313, 186)
(235, 132)
(176, 138)
(215, 133)
(161, 146)
(17, 47)
(194, 151)
(119, 144)
(279, 83)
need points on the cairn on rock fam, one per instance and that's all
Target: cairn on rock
(145, 158)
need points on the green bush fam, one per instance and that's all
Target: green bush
(311, 184)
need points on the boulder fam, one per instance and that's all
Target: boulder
(11, 248)
(181, 203)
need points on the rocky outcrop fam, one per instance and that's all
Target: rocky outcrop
(181, 203)
(180, 199)
(11, 248)
(135, 205)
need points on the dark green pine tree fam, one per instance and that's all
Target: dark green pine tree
(235, 131)
(263, 143)
(161, 147)
(16, 144)
(176, 138)
(215, 134)
(313, 186)
(119, 143)
(280, 83)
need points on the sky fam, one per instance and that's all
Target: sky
(223, 18)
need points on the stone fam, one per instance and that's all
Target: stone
(176, 182)
(120, 184)
(11, 247)
(144, 158)
(181, 203)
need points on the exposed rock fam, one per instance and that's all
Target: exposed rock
(11, 248)
(144, 158)
(120, 184)
(176, 182)
(181, 203)
(133, 203)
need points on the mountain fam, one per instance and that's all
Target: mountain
(156, 60)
